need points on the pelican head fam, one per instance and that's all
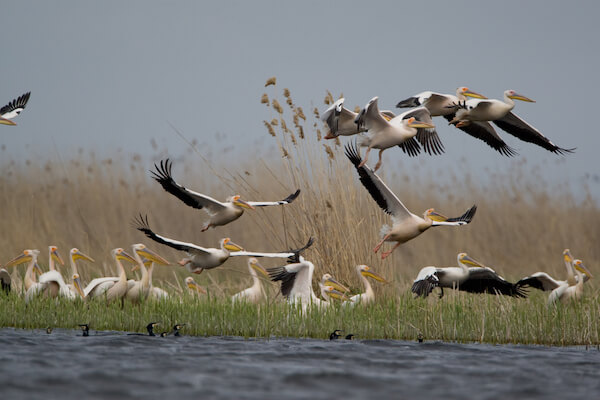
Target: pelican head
(77, 284)
(55, 256)
(327, 280)
(191, 284)
(511, 94)
(578, 264)
(78, 255)
(237, 201)
(465, 91)
(25, 256)
(253, 262)
(465, 260)
(334, 293)
(434, 216)
(567, 256)
(366, 271)
(121, 254)
(143, 251)
(227, 244)
(412, 122)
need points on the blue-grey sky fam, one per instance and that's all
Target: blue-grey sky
(114, 74)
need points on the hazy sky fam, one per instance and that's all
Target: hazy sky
(109, 75)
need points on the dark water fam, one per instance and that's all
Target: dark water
(65, 365)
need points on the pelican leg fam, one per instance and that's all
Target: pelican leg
(387, 253)
(364, 161)
(206, 227)
(441, 293)
(378, 162)
(376, 249)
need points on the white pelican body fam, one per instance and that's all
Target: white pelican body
(255, 293)
(368, 296)
(406, 225)
(296, 284)
(572, 290)
(341, 121)
(113, 288)
(13, 109)
(201, 258)
(220, 213)
(475, 279)
(499, 112)
(139, 290)
(399, 131)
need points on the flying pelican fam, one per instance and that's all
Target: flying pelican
(111, 287)
(546, 283)
(31, 257)
(446, 105)
(193, 287)
(201, 258)
(368, 296)
(13, 109)
(220, 213)
(474, 279)
(406, 225)
(140, 289)
(573, 288)
(340, 120)
(399, 131)
(255, 293)
(499, 112)
(296, 284)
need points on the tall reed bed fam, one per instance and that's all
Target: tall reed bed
(522, 224)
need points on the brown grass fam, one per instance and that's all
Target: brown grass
(522, 225)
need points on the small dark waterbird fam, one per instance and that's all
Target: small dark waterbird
(85, 329)
(149, 328)
(335, 334)
(350, 336)
(49, 330)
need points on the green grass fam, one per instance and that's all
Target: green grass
(457, 317)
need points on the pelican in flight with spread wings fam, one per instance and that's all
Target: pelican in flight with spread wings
(446, 105)
(13, 109)
(296, 284)
(500, 113)
(405, 131)
(470, 276)
(406, 225)
(220, 213)
(341, 121)
(201, 258)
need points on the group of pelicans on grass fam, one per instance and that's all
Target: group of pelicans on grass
(377, 130)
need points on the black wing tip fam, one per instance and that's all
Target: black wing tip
(163, 171)
(292, 197)
(296, 257)
(140, 222)
(411, 147)
(563, 152)
(407, 103)
(351, 150)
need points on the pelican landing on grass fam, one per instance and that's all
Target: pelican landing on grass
(220, 213)
(406, 225)
(470, 276)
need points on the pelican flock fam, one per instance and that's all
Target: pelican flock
(413, 131)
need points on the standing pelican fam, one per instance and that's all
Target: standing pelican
(296, 284)
(52, 288)
(255, 293)
(499, 112)
(406, 225)
(399, 131)
(572, 290)
(201, 258)
(193, 287)
(328, 283)
(112, 288)
(140, 289)
(29, 280)
(340, 120)
(220, 213)
(368, 296)
(13, 109)
(75, 255)
(470, 276)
